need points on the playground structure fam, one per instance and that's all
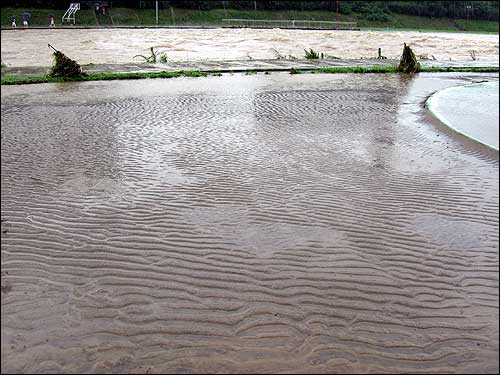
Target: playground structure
(288, 24)
(101, 10)
(70, 15)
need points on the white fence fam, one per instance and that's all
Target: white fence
(288, 24)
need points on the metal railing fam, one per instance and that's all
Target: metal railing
(69, 16)
(288, 24)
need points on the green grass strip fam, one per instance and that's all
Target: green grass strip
(11, 80)
(471, 69)
(356, 69)
(393, 69)
(101, 77)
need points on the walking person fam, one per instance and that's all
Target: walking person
(13, 20)
(25, 18)
(52, 21)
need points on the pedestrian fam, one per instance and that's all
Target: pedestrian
(13, 19)
(25, 20)
(52, 21)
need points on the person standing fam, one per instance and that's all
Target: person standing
(52, 21)
(13, 19)
(25, 20)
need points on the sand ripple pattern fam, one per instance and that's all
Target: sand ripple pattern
(245, 224)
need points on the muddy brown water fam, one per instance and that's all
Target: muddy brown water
(119, 46)
(268, 223)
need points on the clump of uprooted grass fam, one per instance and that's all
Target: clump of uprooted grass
(153, 57)
(65, 67)
(311, 54)
(163, 58)
(408, 62)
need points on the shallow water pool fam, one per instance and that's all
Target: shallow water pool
(471, 110)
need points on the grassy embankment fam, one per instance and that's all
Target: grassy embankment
(183, 17)
(118, 76)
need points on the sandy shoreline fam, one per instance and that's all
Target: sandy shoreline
(245, 224)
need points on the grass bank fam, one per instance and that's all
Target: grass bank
(102, 77)
(196, 73)
(184, 17)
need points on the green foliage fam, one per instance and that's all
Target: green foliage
(482, 10)
(358, 69)
(154, 56)
(377, 17)
(450, 69)
(311, 54)
(151, 58)
(102, 77)
(163, 58)
(193, 16)
(40, 16)
(196, 73)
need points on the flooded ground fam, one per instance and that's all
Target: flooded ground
(119, 46)
(266, 223)
(471, 110)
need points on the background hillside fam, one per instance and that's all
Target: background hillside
(479, 16)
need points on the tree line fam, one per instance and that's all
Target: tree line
(482, 10)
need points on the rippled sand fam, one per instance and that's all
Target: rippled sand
(29, 47)
(312, 223)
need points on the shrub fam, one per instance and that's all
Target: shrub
(163, 58)
(311, 54)
(151, 58)
(377, 17)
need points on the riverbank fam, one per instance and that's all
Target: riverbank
(107, 76)
(214, 17)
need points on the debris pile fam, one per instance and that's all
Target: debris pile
(408, 62)
(64, 66)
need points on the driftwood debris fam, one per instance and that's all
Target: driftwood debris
(408, 62)
(64, 66)
(380, 56)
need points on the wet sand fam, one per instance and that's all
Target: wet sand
(119, 46)
(280, 223)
